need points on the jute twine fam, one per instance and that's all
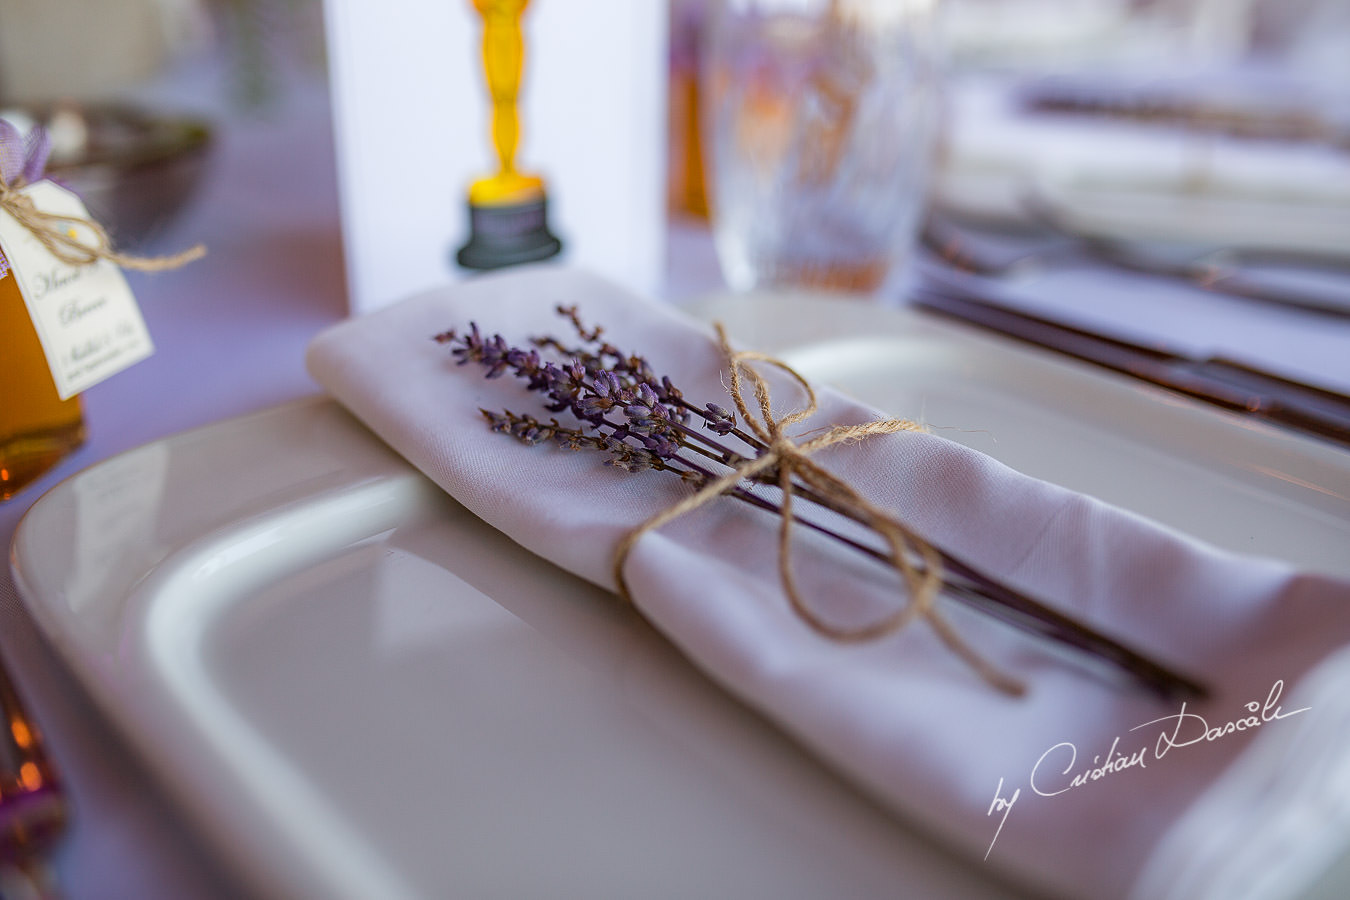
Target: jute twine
(79, 241)
(791, 463)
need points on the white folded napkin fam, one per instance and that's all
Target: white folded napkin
(902, 716)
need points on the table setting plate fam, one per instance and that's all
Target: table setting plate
(354, 688)
(1161, 159)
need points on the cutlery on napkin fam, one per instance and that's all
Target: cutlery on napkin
(1074, 788)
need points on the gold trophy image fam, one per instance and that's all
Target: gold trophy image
(508, 222)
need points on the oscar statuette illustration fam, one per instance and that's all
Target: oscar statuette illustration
(508, 222)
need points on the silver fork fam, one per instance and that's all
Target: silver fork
(32, 806)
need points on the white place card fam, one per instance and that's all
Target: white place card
(412, 125)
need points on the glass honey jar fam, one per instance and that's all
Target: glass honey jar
(37, 427)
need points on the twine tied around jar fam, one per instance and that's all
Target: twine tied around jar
(74, 240)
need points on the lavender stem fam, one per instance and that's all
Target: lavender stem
(1007, 606)
(653, 432)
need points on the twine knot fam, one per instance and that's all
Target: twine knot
(74, 240)
(788, 464)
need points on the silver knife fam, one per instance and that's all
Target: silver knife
(1222, 382)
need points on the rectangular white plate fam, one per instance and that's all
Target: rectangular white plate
(357, 689)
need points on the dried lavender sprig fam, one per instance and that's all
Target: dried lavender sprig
(968, 587)
(602, 356)
(529, 430)
(589, 393)
(590, 390)
(607, 393)
(719, 420)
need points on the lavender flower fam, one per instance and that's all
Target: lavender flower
(23, 158)
(611, 393)
(720, 421)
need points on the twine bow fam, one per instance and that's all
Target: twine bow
(790, 463)
(74, 240)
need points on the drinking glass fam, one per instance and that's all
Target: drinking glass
(821, 117)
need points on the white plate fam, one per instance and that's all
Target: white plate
(1111, 177)
(358, 690)
(1235, 482)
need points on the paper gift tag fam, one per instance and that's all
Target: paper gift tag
(85, 316)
